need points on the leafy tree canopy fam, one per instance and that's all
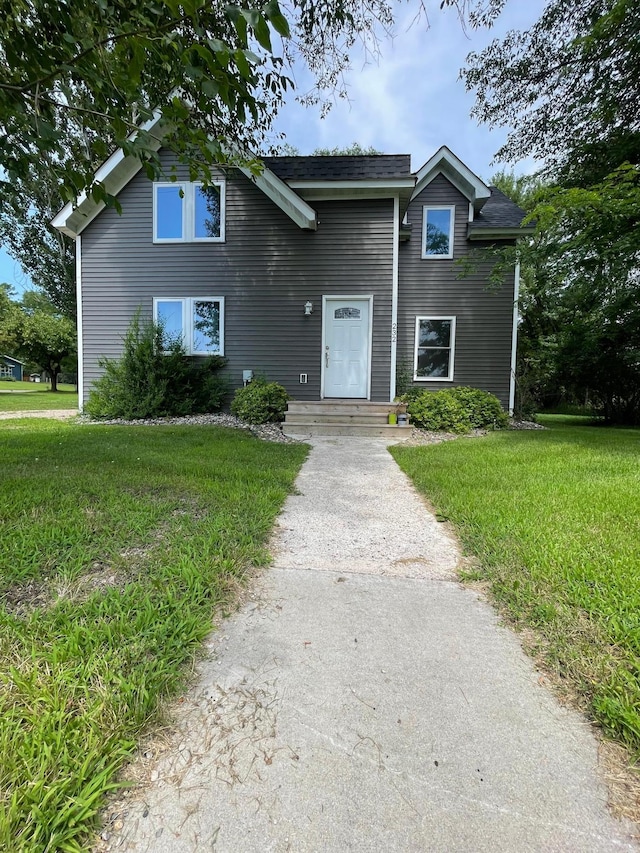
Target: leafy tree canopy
(32, 329)
(353, 150)
(568, 87)
(78, 80)
(89, 75)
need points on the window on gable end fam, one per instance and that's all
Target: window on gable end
(188, 212)
(434, 349)
(437, 231)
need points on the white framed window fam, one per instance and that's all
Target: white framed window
(437, 230)
(186, 212)
(198, 321)
(434, 349)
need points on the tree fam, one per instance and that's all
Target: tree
(568, 87)
(213, 74)
(47, 339)
(34, 330)
(27, 206)
(353, 150)
(79, 80)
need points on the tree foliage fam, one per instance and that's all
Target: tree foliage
(33, 329)
(215, 73)
(568, 89)
(79, 80)
(353, 150)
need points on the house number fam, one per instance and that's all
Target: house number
(394, 332)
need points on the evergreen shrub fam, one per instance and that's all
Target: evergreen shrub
(155, 378)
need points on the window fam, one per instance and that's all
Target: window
(437, 231)
(197, 321)
(435, 345)
(187, 212)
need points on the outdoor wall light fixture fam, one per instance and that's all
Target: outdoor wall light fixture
(308, 309)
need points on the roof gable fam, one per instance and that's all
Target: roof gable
(444, 162)
(116, 172)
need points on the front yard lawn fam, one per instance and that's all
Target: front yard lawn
(118, 545)
(554, 520)
(36, 396)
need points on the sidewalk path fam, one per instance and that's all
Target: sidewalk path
(364, 701)
(57, 414)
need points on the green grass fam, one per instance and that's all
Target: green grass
(554, 520)
(33, 396)
(118, 546)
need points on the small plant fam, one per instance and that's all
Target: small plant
(155, 378)
(455, 409)
(260, 402)
(404, 377)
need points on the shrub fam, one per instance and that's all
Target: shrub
(260, 402)
(483, 409)
(455, 410)
(155, 378)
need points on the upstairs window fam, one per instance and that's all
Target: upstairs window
(196, 321)
(188, 213)
(437, 231)
(435, 346)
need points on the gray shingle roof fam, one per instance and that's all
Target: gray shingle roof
(498, 212)
(341, 168)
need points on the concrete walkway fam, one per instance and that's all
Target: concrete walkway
(364, 701)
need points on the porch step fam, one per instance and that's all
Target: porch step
(342, 417)
(390, 431)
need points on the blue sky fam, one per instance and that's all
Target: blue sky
(411, 101)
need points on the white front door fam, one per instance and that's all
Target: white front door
(346, 347)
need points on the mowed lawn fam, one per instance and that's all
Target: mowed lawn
(36, 396)
(553, 518)
(118, 547)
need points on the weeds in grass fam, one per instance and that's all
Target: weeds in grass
(171, 517)
(554, 520)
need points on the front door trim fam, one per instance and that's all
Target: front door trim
(363, 297)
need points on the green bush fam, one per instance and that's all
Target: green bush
(483, 409)
(455, 410)
(260, 402)
(155, 378)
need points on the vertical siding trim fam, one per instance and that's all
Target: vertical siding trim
(394, 297)
(79, 321)
(514, 339)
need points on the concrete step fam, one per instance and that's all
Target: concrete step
(306, 430)
(346, 407)
(364, 418)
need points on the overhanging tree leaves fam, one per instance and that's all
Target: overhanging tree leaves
(78, 80)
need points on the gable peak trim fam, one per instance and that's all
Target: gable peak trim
(445, 162)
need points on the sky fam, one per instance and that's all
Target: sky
(410, 101)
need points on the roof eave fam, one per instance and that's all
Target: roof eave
(499, 233)
(114, 174)
(290, 202)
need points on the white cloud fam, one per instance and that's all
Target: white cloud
(412, 101)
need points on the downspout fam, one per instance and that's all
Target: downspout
(79, 315)
(514, 339)
(394, 297)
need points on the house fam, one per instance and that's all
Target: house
(327, 274)
(11, 368)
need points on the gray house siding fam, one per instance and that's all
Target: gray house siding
(434, 288)
(266, 270)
